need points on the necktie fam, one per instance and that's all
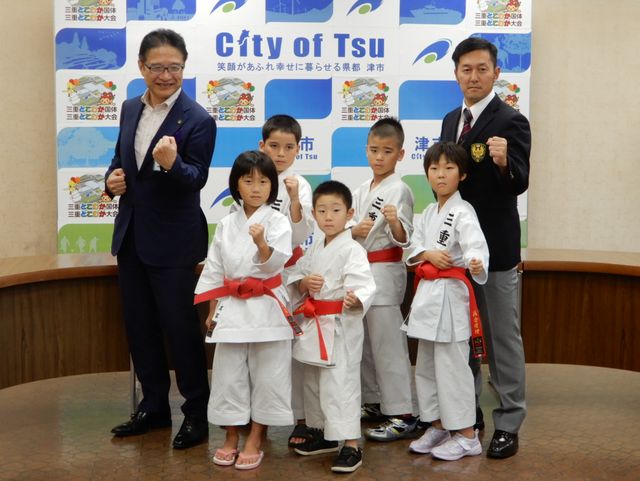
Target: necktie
(467, 124)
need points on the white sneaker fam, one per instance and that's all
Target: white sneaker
(458, 447)
(429, 440)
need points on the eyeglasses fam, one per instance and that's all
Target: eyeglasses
(158, 69)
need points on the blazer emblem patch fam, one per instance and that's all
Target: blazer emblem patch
(478, 151)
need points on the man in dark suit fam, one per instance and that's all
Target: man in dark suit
(161, 163)
(498, 140)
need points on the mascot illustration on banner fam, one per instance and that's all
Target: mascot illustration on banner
(231, 99)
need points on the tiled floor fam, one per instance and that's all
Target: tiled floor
(583, 425)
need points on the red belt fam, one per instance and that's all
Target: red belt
(391, 254)
(428, 271)
(295, 256)
(250, 287)
(314, 308)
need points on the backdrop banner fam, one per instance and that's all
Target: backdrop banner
(335, 65)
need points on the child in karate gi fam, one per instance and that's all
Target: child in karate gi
(443, 316)
(335, 282)
(384, 223)
(251, 378)
(281, 136)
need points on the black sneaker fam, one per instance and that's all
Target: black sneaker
(422, 425)
(371, 412)
(348, 460)
(316, 445)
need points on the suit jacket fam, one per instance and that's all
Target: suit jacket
(493, 194)
(163, 207)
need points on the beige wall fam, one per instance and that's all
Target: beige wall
(585, 116)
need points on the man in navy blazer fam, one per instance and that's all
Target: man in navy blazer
(161, 163)
(498, 141)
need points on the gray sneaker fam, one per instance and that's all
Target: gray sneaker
(391, 429)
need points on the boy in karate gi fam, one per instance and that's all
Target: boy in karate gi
(447, 240)
(384, 223)
(281, 136)
(335, 282)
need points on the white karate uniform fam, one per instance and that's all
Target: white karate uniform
(300, 233)
(439, 315)
(332, 394)
(249, 381)
(386, 369)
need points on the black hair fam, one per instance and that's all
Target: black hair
(388, 127)
(284, 123)
(160, 37)
(333, 187)
(472, 44)
(454, 153)
(248, 162)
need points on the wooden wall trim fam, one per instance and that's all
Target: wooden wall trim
(28, 270)
(598, 262)
(61, 315)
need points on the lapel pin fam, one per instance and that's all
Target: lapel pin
(179, 121)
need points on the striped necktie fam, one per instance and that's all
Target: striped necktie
(467, 124)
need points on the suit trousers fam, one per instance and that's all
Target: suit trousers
(498, 304)
(157, 303)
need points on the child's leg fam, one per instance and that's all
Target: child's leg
(270, 372)
(391, 359)
(231, 438)
(230, 392)
(297, 403)
(456, 397)
(340, 402)
(426, 387)
(455, 385)
(251, 456)
(340, 395)
(312, 408)
(254, 440)
(297, 389)
(227, 454)
(370, 389)
(428, 400)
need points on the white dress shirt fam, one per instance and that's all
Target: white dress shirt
(150, 121)
(476, 110)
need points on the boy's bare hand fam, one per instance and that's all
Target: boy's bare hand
(291, 184)
(312, 283)
(351, 300)
(362, 229)
(440, 259)
(475, 266)
(390, 213)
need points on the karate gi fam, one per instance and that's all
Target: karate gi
(439, 315)
(386, 369)
(300, 233)
(304, 228)
(332, 394)
(251, 377)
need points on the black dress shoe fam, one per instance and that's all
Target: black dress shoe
(479, 424)
(192, 432)
(140, 423)
(503, 444)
